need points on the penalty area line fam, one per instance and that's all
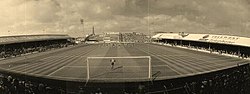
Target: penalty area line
(56, 70)
(158, 57)
(65, 67)
(76, 66)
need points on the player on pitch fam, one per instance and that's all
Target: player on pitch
(112, 63)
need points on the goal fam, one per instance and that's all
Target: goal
(127, 67)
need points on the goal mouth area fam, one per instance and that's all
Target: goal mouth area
(119, 68)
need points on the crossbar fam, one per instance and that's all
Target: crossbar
(119, 57)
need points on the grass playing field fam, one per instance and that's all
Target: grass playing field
(71, 63)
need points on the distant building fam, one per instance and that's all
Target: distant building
(111, 37)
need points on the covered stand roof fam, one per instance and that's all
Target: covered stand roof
(210, 38)
(30, 38)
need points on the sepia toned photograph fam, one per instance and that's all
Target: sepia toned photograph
(125, 47)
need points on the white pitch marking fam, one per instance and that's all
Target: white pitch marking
(65, 67)
(76, 66)
(161, 60)
(56, 70)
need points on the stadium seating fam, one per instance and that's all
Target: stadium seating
(240, 51)
(14, 46)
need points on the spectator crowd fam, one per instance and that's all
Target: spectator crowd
(230, 81)
(18, 49)
(134, 37)
(10, 85)
(233, 50)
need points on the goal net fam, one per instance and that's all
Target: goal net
(132, 67)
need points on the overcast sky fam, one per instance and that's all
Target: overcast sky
(147, 16)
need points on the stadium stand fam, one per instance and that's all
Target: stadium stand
(12, 46)
(133, 37)
(222, 44)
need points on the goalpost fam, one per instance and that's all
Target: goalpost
(135, 66)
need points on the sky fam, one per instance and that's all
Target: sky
(230, 17)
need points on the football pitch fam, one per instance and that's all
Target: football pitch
(132, 62)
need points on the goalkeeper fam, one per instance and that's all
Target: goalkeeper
(112, 63)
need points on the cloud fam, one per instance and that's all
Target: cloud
(63, 16)
(28, 16)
